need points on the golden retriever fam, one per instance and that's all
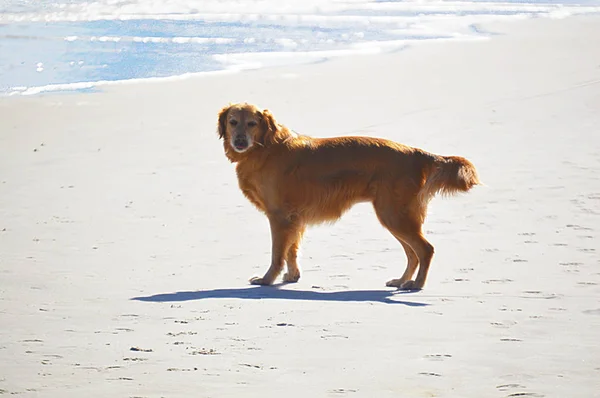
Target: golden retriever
(297, 180)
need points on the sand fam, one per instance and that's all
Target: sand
(126, 246)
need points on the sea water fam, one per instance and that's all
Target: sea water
(51, 45)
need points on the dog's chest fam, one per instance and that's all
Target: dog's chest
(250, 187)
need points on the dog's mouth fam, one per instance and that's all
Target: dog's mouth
(241, 144)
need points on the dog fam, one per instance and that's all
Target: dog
(297, 181)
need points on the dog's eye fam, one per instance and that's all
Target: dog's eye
(252, 123)
(233, 122)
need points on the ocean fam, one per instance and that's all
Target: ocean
(54, 45)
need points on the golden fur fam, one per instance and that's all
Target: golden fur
(298, 180)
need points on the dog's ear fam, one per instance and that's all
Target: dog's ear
(222, 126)
(270, 126)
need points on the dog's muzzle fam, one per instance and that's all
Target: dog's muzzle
(240, 143)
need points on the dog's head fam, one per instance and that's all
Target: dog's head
(243, 127)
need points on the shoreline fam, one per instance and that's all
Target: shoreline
(303, 58)
(306, 58)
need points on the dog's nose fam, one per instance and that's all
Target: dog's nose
(240, 142)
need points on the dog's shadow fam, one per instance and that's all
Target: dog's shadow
(273, 292)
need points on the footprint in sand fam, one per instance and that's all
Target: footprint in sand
(204, 351)
(455, 280)
(181, 369)
(430, 374)
(333, 336)
(506, 309)
(342, 391)
(508, 387)
(536, 294)
(571, 267)
(171, 334)
(504, 324)
(339, 276)
(529, 236)
(140, 349)
(578, 227)
(438, 357)
(135, 359)
(117, 330)
(491, 281)
(585, 236)
(460, 280)
(592, 312)
(586, 249)
(249, 365)
(514, 386)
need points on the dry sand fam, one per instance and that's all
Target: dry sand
(122, 228)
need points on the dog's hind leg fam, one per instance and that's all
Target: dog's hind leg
(408, 230)
(284, 233)
(293, 271)
(411, 266)
(424, 251)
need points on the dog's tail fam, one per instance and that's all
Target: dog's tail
(448, 175)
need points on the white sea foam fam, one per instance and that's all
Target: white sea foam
(234, 63)
(331, 10)
(91, 85)
(326, 10)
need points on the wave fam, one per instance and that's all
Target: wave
(272, 10)
(234, 63)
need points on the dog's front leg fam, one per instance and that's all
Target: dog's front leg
(284, 231)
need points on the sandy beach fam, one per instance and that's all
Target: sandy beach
(118, 209)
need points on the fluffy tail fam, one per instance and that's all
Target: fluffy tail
(448, 175)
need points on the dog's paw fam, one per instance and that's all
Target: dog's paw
(291, 278)
(259, 281)
(410, 285)
(394, 283)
